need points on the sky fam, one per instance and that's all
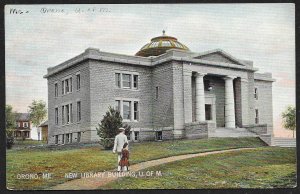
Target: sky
(38, 38)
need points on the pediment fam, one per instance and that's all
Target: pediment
(218, 56)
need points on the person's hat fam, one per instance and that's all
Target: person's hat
(121, 129)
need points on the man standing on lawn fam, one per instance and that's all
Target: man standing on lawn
(120, 140)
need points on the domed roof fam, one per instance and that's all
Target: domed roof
(160, 45)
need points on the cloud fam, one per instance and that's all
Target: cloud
(263, 33)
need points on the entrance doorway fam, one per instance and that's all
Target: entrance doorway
(208, 112)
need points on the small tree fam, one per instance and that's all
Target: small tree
(38, 112)
(289, 118)
(109, 127)
(10, 124)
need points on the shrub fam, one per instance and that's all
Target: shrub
(109, 127)
(9, 138)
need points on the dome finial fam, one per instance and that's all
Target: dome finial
(164, 32)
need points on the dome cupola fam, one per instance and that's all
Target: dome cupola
(159, 45)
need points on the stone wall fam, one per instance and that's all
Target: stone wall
(104, 92)
(196, 130)
(264, 103)
(83, 95)
(257, 128)
(163, 108)
(150, 134)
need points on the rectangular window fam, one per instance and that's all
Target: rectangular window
(118, 80)
(71, 137)
(56, 116)
(255, 93)
(136, 135)
(158, 135)
(25, 124)
(71, 113)
(19, 124)
(67, 107)
(78, 136)
(126, 110)
(67, 114)
(63, 87)
(256, 116)
(156, 92)
(71, 85)
(67, 138)
(136, 110)
(135, 81)
(56, 139)
(67, 86)
(78, 81)
(55, 90)
(78, 111)
(126, 79)
(117, 105)
(63, 139)
(63, 114)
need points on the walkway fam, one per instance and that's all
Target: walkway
(96, 182)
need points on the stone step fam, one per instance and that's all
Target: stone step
(284, 142)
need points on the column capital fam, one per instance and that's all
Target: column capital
(229, 77)
(200, 74)
(244, 80)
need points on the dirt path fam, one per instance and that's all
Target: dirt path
(109, 176)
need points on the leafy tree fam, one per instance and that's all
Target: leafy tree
(10, 117)
(38, 112)
(10, 124)
(109, 127)
(289, 118)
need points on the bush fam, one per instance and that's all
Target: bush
(9, 138)
(109, 128)
(107, 143)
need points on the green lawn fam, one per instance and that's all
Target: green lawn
(19, 143)
(94, 159)
(265, 167)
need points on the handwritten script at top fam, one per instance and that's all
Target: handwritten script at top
(49, 10)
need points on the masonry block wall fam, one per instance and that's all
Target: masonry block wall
(104, 92)
(264, 102)
(251, 106)
(163, 105)
(178, 99)
(82, 95)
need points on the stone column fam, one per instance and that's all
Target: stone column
(200, 99)
(229, 102)
(187, 85)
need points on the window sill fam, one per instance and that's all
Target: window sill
(66, 94)
(129, 89)
(126, 120)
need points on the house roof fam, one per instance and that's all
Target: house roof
(45, 123)
(22, 116)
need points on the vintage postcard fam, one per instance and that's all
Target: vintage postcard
(150, 96)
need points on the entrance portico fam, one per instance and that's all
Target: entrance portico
(202, 98)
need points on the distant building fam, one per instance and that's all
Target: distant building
(164, 92)
(23, 124)
(44, 129)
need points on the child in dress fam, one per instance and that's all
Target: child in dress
(124, 162)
